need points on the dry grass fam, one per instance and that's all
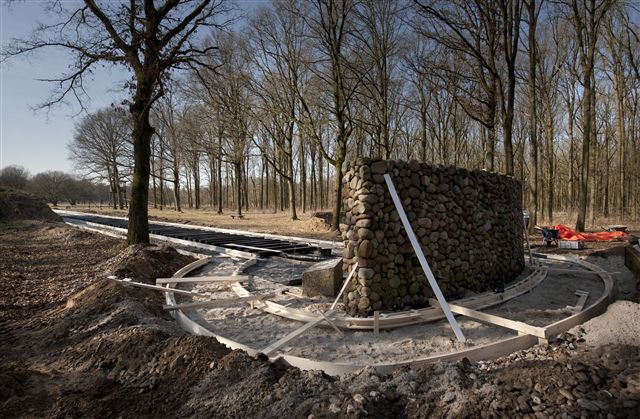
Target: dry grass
(270, 223)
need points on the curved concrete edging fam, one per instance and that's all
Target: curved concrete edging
(488, 351)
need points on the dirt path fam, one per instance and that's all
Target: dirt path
(74, 344)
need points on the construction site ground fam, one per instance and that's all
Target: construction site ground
(74, 343)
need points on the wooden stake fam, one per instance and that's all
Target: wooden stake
(376, 322)
(582, 299)
(157, 287)
(291, 336)
(197, 279)
(344, 286)
(219, 303)
(497, 320)
(423, 261)
(332, 324)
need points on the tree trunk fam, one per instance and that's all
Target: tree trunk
(586, 140)
(176, 185)
(220, 179)
(238, 167)
(303, 177)
(550, 166)
(533, 118)
(138, 231)
(335, 224)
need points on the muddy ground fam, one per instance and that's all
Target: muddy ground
(75, 344)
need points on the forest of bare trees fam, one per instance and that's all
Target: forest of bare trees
(282, 97)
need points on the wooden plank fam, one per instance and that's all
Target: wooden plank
(197, 279)
(569, 271)
(582, 299)
(219, 303)
(299, 331)
(496, 320)
(332, 324)
(158, 288)
(344, 286)
(423, 261)
(260, 249)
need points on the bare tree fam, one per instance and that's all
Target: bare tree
(532, 12)
(379, 31)
(101, 147)
(331, 32)
(587, 16)
(14, 177)
(470, 32)
(51, 186)
(148, 37)
(280, 50)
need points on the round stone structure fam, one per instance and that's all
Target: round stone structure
(468, 223)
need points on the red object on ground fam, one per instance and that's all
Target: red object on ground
(565, 233)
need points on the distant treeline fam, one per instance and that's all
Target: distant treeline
(55, 187)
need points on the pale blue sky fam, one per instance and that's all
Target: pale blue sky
(38, 140)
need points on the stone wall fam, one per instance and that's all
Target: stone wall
(469, 224)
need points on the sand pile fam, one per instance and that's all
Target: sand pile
(18, 205)
(625, 315)
(317, 224)
(145, 263)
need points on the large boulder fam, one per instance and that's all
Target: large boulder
(323, 279)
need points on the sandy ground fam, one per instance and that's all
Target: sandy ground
(542, 306)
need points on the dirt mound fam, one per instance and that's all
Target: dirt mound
(145, 263)
(18, 205)
(317, 224)
(598, 331)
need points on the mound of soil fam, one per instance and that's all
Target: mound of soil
(317, 224)
(145, 262)
(18, 205)
(598, 331)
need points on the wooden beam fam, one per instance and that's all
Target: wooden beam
(299, 331)
(496, 320)
(332, 324)
(582, 299)
(197, 279)
(158, 288)
(423, 261)
(569, 271)
(219, 303)
(344, 286)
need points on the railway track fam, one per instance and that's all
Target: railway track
(255, 244)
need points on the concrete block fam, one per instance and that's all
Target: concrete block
(323, 279)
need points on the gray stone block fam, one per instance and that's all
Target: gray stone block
(323, 279)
